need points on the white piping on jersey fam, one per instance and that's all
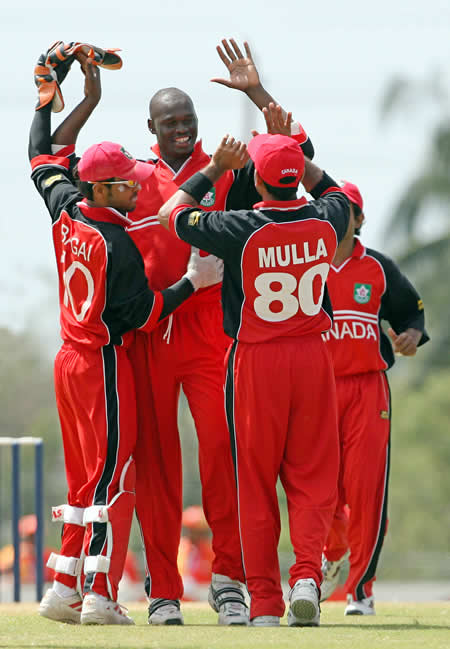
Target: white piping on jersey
(287, 209)
(46, 164)
(143, 223)
(168, 330)
(384, 291)
(176, 173)
(110, 209)
(355, 315)
(337, 269)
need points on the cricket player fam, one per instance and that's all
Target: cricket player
(365, 287)
(188, 352)
(280, 392)
(104, 296)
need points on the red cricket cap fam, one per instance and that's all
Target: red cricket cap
(352, 193)
(278, 159)
(110, 160)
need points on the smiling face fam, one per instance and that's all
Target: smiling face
(174, 122)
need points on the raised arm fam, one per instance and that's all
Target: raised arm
(243, 73)
(67, 132)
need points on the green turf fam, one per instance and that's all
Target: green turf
(403, 626)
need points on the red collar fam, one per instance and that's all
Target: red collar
(105, 214)
(358, 249)
(282, 206)
(196, 154)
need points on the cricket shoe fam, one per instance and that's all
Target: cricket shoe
(165, 611)
(265, 620)
(227, 597)
(365, 606)
(101, 610)
(304, 599)
(61, 609)
(332, 572)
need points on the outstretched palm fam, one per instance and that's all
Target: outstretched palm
(243, 73)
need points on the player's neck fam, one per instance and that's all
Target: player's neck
(344, 251)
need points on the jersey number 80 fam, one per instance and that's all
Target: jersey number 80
(293, 294)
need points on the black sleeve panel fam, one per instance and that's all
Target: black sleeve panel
(40, 139)
(326, 184)
(219, 233)
(175, 295)
(129, 298)
(243, 194)
(55, 185)
(401, 304)
(308, 149)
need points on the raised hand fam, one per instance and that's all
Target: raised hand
(230, 154)
(243, 73)
(92, 82)
(278, 122)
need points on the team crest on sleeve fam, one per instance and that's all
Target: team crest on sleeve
(52, 179)
(362, 293)
(194, 218)
(209, 198)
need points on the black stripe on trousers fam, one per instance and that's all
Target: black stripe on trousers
(99, 530)
(372, 567)
(229, 405)
(229, 409)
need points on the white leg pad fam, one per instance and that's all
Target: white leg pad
(97, 563)
(96, 514)
(67, 565)
(68, 514)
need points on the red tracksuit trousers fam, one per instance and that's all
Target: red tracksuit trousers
(96, 404)
(282, 412)
(364, 433)
(187, 352)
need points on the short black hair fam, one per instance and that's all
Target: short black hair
(357, 211)
(84, 187)
(282, 193)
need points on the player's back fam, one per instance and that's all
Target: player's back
(282, 270)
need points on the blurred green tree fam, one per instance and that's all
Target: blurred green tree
(425, 201)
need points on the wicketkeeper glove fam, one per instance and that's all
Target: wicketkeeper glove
(52, 68)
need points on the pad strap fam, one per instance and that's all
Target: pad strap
(96, 514)
(66, 565)
(97, 563)
(68, 514)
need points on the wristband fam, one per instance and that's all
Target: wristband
(197, 186)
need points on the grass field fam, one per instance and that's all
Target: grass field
(405, 626)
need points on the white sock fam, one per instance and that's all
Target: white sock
(62, 590)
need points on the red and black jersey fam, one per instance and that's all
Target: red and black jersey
(165, 256)
(365, 289)
(277, 257)
(103, 290)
